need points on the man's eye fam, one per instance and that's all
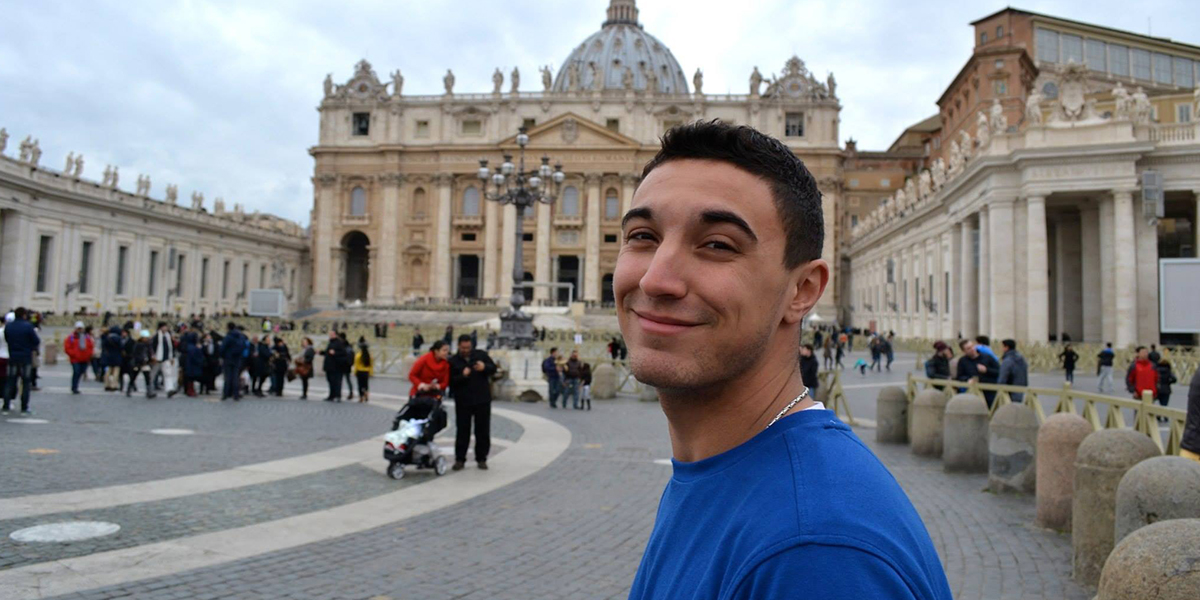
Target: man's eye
(639, 236)
(715, 245)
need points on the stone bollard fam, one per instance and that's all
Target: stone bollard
(891, 415)
(604, 382)
(1102, 460)
(1012, 450)
(928, 413)
(1157, 489)
(1156, 562)
(647, 393)
(50, 353)
(1057, 442)
(965, 435)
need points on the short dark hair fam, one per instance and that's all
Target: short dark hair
(797, 199)
(20, 312)
(553, 350)
(1011, 344)
(466, 337)
(437, 345)
(1139, 348)
(231, 326)
(983, 339)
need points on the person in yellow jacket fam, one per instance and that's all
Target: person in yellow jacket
(363, 368)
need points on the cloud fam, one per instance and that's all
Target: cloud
(220, 96)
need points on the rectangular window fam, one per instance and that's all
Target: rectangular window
(1183, 72)
(225, 280)
(885, 182)
(1118, 60)
(1141, 64)
(1096, 59)
(422, 129)
(472, 127)
(262, 276)
(122, 266)
(362, 123)
(854, 220)
(179, 279)
(527, 237)
(610, 238)
(152, 281)
(45, 246)
(1047, 45)
(905, 296)
(85, 267)
(613, 125)
(794, 125)
(1183, 113)
(468, 237)
(292, 282)
(1162, 68)
(983, 38)
(1072, 49)
(612, 207)
(528, 123)
(245, 278)
(204, 277)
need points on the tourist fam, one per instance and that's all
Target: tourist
(756, 507)
(143, 362)
(828, 352)
(984, 344)
(79, 347)
(938, 365)
(1189, 447)
(94, 361)
(129, 366)
(1166, 377)
(553, 375)
(974, 364)
(209, 348)
(1013, 370)
(348, 364)
(418, 340)
(1104, 368)
(614, 348)
(191, 362)
(572, 372)
(363, 368)
(809, 368)
(876, 348)
(840, 352)
(1142, 375)
(162, 361)
(335, 357)
(281, 361)
(23, 342)
(261, 364)
(471, 373)
(4, 361)
(448, 337)
(304, 365)
(233, 348)
(431, 371)
(1154, 356)
(585, 386)
(1068, 358)
(886, 350)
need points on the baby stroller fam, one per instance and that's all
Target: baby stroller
(411, 440)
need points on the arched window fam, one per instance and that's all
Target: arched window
(419, 207)
(612, 204)
(470, 205)
(358, 202)
(570, 201)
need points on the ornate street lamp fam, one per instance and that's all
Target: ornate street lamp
(511, 184)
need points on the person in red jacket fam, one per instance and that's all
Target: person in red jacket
(431, 370)
(1142, 375)
(79, 347)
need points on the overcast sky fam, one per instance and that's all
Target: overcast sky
(220, 96)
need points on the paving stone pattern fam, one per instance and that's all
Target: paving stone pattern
(577, 529)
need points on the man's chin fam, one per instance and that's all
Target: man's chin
(661, 369)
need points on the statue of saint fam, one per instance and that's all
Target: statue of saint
(515, 78)
(597, 78)
(547, 79)
(448, 81)
(831, 83)
(755, 81)
(397, 82)
(78, 166)
(497, 81)
(698, 82)
(70, 162)
(3, 139)
(1033, 108)
(627, 79)
(328, 85)
(573, 77)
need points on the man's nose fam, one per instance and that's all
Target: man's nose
(664, 274)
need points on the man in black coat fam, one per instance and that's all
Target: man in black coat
(233, 349)
(974, 363)
(471, 373)
(335, 357)
(808, 370)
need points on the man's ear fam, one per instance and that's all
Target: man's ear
(805, 287)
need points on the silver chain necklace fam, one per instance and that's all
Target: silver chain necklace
(802, 396)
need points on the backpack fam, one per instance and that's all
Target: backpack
(929, 369)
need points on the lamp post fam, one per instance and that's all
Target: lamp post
(511, 184)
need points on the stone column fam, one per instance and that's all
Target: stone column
(1125, 268)
(629, 185)
(1038, 292)
(1146, 267)
(1196, 225)
(508, 250)
(323, 243)
(389, 240)
(1108, 304)
(373, 278)
(940, 294)
(1003, 294)
(491, 246)
(984, 275)
(968, 282)
(1090, 277)
(542, 260)
(591, 261)
(957, 264)
(441, 247)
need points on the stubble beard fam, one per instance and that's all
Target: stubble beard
(705, 367)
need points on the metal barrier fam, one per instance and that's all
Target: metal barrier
(1145, 411)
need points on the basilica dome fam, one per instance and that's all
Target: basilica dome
(621, 54)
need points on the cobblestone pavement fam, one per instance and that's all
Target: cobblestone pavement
(576, 529)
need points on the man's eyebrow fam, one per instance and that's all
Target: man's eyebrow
(640, 212)
(724, 216)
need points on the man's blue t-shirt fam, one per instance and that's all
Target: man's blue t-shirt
(802, 510)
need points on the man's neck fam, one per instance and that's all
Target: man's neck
(726, 415)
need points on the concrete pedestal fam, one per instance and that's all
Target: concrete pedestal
(928, 416)
(891, 416)
(1156, 562)
(1057, 443)
(1157, 489)
(524, 369)
(1012, 450)
(1103, 459)
(604, 382)
(965, 435)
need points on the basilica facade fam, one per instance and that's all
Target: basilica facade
(399, 213)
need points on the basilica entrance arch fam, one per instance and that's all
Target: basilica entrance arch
(355, 249)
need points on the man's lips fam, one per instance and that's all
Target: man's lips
(662, 324)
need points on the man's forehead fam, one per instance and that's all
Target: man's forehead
(694, 189)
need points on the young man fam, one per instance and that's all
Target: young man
(1104, 368)
(233, 347)
(22, 341)
(471, 373)
(1013, 369)
(974, 363)
(553, 377)
(772, 496)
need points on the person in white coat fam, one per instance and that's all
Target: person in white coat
(163, 361)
